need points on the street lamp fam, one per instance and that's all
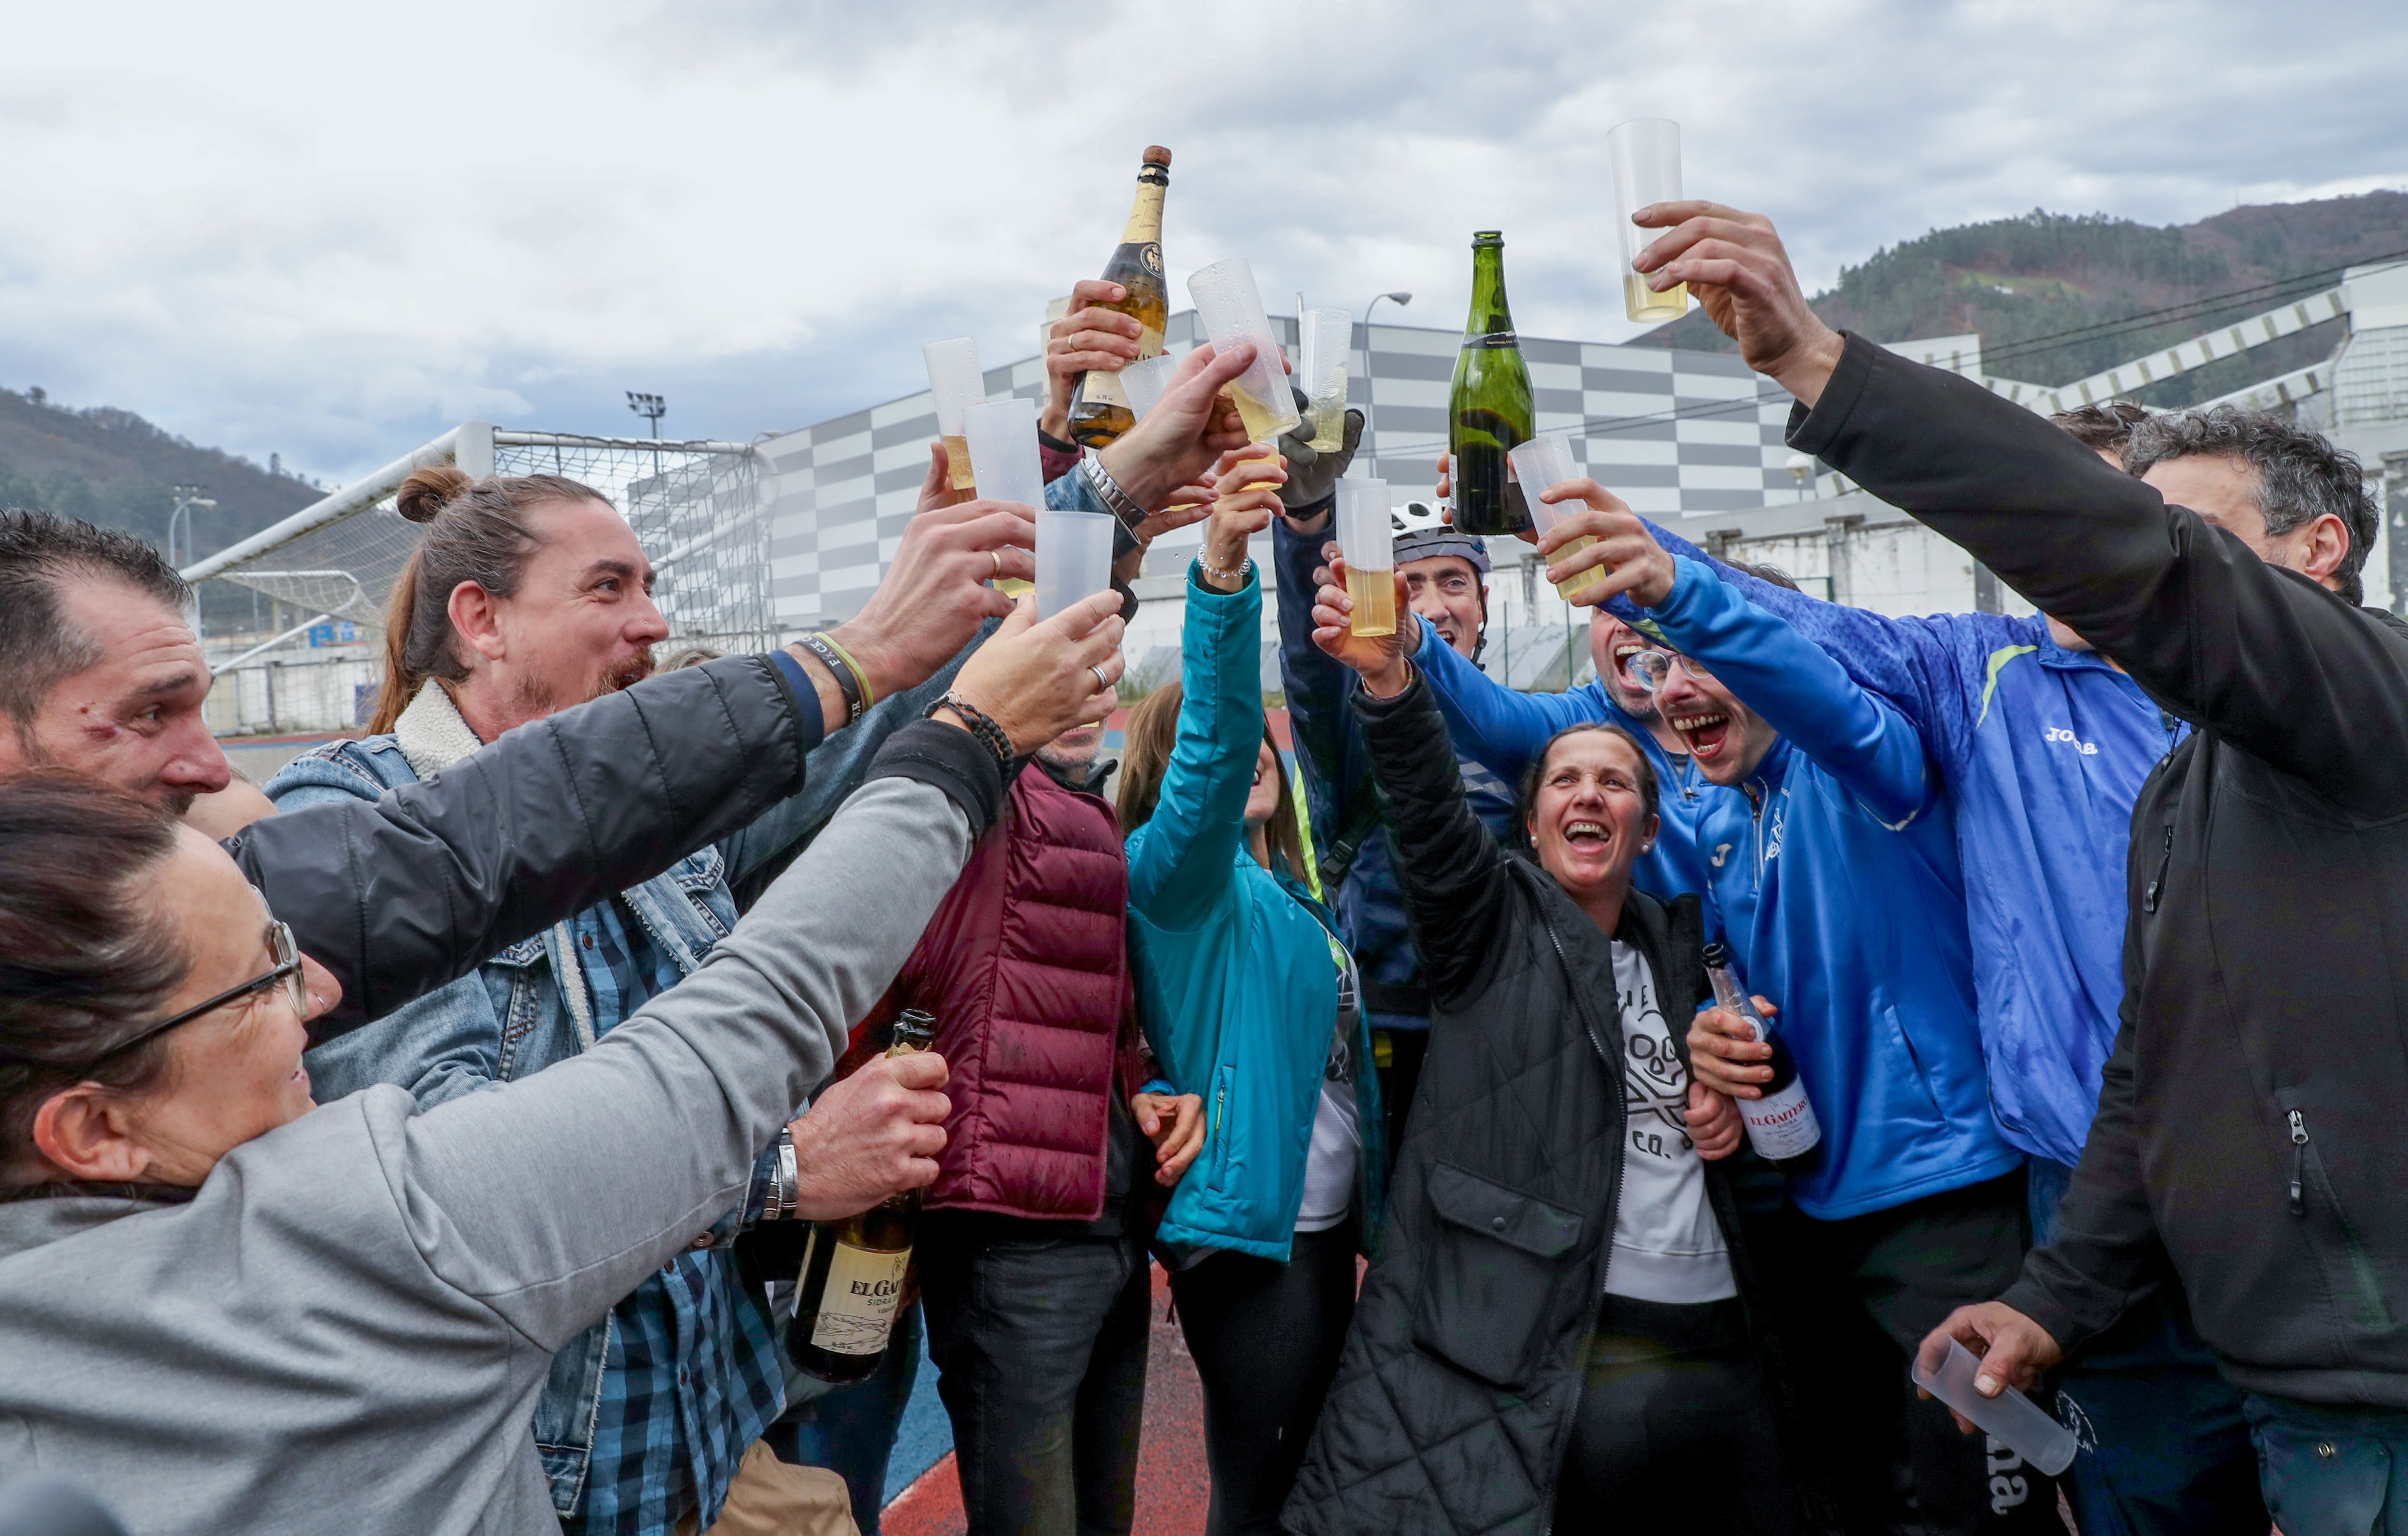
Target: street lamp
(187, 498)
(1400, 299)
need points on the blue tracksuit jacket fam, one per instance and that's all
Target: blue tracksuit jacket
(2044, 750)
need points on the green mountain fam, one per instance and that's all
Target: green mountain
(2024, 283)
(119, 470)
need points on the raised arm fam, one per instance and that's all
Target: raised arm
(1185, 855)
(1502, 728)
(1337, 776)
(1800, 692)
(401, 895)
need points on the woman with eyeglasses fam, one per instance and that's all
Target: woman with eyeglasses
(224, 1309)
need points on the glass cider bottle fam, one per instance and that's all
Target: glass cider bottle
(1780, 1125)
(851, 1285)
(1490, 409)
(1099, 408)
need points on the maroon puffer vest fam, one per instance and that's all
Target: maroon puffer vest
(1025, 967)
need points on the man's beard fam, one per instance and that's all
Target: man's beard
(635, 669)
(535, 697)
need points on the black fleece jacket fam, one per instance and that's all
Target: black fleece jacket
(2252, 1108)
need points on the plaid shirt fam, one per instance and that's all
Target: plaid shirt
(694, 1373)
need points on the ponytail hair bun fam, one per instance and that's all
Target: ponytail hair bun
(428, 490)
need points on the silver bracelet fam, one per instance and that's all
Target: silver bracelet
(782, 1190)
(1235, 578)
(1107, 490)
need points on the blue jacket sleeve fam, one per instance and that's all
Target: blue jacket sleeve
(1864, 742)
(1500, 726)
(1185, 856)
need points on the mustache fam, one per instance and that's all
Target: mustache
(635, 669)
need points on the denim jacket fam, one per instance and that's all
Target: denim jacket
(512, 1017)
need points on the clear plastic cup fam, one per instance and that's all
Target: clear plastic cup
(2014, 1420)
(1232, 308)
(1646, 157)
(1002, 437)
(1145, 381)
(1074, 558)
(1539, 465)
(1326, 348)
(1368, 539)
(955, 380)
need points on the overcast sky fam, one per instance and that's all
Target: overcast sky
(330, 231)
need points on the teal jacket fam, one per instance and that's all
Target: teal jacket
(1234, 971)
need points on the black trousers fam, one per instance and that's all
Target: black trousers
(1675, 1430)
(1853, 1299)
(1039, 1343)
(1264, 1337)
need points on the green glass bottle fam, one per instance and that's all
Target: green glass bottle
(1490, 409)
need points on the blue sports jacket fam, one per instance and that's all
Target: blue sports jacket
(1237, 973)
(1833, 872)
(2044, 750)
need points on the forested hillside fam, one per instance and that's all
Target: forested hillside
(2024, 283)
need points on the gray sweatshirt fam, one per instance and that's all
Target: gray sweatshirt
(347, 1328)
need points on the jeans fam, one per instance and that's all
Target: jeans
(1852, 1299)
(1675, 1430)
(2331, 1471)
(849, 1431)
(2162, 1448)
(1265, 1338)
(1040, 1343)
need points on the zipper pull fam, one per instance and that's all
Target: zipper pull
(2298, 1162)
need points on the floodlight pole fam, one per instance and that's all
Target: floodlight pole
(652, 407)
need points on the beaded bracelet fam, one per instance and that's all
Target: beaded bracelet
(1235, 578)
(848, 677)
(981, 726)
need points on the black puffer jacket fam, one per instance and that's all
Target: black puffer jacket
(1455, 1393)
(2249, 1122)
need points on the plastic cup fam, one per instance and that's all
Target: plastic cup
(1232, 308)
(1074, 558)
(1646, 157)
(1326, 346)
(1144, 382)
(955, 380)
(1539, 465)
(1367, 537)
(2014, 1420)
(1003, 450)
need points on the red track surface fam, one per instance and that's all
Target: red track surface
(1173, 1486)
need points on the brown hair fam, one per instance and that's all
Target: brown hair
(40, 553)
(1146, 757)
(1526, 799)
(85, 959)
(476, 531)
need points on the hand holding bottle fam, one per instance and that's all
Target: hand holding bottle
(870, 1136)
(1038, 679)
(1090, 337)
(1725, 1053)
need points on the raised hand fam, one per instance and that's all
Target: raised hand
(1633, 561)
(1039, 678)
(1380, 658)
(1247, 482)
(872, 1135)
(1089, 338)
(1735, 263)
(1173, 444)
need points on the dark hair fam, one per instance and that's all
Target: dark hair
(2102, 428)
(1525, 795)
(1763, 572)
(84, 958)
(39, 553)
(476, 531)
(2301, 475)
(1145, 756)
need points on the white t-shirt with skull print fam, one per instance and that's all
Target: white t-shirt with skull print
(1666, 1244)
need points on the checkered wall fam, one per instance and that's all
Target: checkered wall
(1675, 433)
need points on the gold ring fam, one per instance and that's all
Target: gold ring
(996, 555)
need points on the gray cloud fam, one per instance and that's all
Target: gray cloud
(279, 228)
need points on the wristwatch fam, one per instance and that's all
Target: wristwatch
(781, 1204)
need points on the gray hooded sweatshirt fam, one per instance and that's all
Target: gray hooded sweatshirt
(347, 1328)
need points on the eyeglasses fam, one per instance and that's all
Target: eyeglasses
(1652, 669)
(287, 971)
